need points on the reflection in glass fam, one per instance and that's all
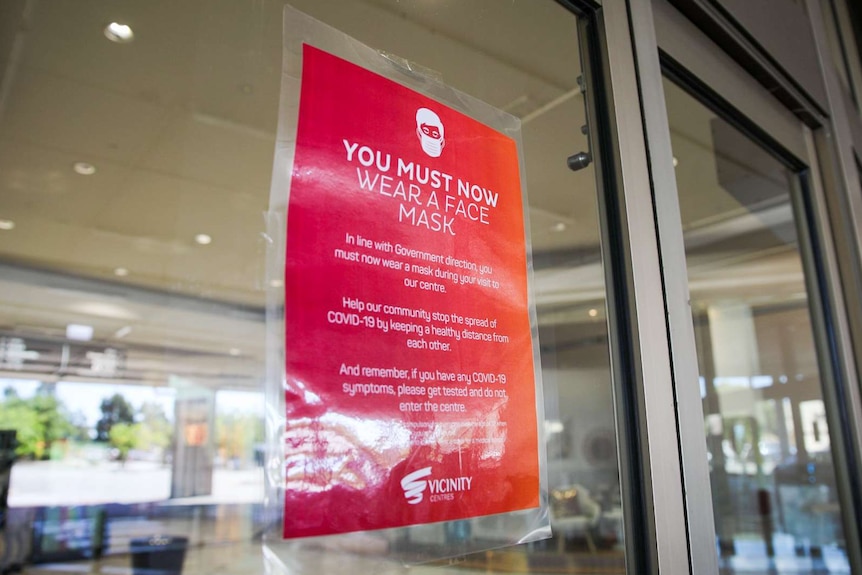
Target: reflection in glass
(133, 178)
(839, 36)
(773, 485)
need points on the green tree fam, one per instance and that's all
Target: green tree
(123, 437)
(53, 417)
(39, 421)
(154, 430)
(24, 420)
(236, 434)
(115, 409)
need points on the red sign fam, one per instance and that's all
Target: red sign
(410, 387)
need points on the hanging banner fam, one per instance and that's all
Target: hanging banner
(410, 388)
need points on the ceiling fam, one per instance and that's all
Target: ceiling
(180, 127)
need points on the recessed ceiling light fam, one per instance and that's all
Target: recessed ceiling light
(276, 283)
(121, 272)
(675, 162)
(119, 33)
(203, 239)
(84, 168)
(234, 351)
(559, 227)
(593, 312)
(103, 309)
(554, 426)
(79, 332)
(7, 225)
(123, 331)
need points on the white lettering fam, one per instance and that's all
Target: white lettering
(450, 484)
(350, 149)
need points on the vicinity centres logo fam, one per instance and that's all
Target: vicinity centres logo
(444, 489)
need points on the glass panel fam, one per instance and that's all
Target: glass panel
(773, 484)
(135, 167)
(838, 48)
(841, 34)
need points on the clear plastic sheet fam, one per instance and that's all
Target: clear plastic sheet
(397, 479)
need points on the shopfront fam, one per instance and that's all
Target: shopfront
(693, 227)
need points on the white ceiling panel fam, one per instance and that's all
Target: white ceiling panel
(218, 152)
(68, 115)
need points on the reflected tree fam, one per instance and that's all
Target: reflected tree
(155, 430)
(40, 421)
(115, 409)
(123, 437)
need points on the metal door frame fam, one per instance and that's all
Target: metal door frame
(651, 477)
(688, 46)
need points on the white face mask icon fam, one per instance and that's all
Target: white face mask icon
(429, 128)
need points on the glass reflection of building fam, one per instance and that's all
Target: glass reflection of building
(135, 170)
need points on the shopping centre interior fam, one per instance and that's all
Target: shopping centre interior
(135, 271)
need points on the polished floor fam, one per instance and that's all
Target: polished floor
(248, 558)
(226, 540)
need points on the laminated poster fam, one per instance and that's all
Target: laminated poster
(410, 382)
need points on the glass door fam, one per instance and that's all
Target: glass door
(772, 473)
(741, 226)
(136, 145)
